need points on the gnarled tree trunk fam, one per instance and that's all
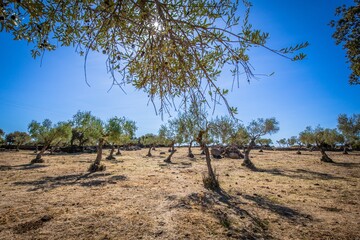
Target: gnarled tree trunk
(247, 162)
(118, 151)
(168, 159)
(111, 155)
(38, 158)
(190, 154)
(149, 152)
(324, 156)
(97, 166)
(210, 181)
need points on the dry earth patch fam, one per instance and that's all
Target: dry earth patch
(290, 196)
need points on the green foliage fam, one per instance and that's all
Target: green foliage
(2, 133)
(169, 49)
(48, 134)
(261, 127)
(88, 127)
(119, 130)
(350, 128)
(17, 138)
(282, 142)
(223, 129)
(150, 139)
(321, 136)
(347, 33)
(264, 141)
(292, 141)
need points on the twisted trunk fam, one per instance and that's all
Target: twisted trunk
(247, 162)
(111, 155)
(324, 156)
(96, 166)
(149, 152)
(210, 181)
(118, 151)
(168, 159)
(38, 158)
(190, 154)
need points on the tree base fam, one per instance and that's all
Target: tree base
(149, 155)
(260, 150)
(167, 160)
(248, 164)
(326, 159)
(298, 152)
(118, 153)
(191, 155)
(37, 160)
(345, 152)
(95, 167)
(110, 158)
(211, 183)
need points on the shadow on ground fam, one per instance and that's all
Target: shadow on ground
(300, 174)
(21, 167)
(221, 205)
(84, 180)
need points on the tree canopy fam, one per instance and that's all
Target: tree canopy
(350, 128)
(347, 33)
(169, 49)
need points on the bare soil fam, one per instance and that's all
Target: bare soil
(290, 196)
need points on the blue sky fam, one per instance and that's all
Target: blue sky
(311, 92)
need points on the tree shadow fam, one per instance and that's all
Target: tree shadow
(221, 204)
(84, 180)
(346, 164)
(21, 167)
(300, 174)
(281, 210)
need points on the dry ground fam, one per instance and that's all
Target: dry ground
(290, 197)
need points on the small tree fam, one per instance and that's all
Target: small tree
(114, 127)
(254, 131)
(2, 133)
(17, 138)
(282, 142)
(321, 138)
(83, 128)
(291, 141)
(263, 142)
(150, 140)
(188, 129)
(47, 134)
(347, 33)
(223, 129)
(350, 129)
(170, 133)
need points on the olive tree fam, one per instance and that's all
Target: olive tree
(350, 129)
(347, 33)
(119, 131)
(253, 131)
(149, 140)
(84, 128)
(170, 49)
(321, 138)
(2, 133)
(223, 128)
(48, 134)
(17, 138)
(188, 129)
(263, 142)
(282, 142)
(170, 133)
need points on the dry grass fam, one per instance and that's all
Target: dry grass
(290, 197)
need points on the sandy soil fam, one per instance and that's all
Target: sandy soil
(289, 197)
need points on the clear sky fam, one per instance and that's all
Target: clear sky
(311, 92)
